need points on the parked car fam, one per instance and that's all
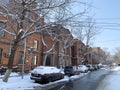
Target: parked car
(95, 67)
(45, 74)
(90, 67)
(82, 68)
(3, 70)
(69, 70)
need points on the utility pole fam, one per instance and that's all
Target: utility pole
(23, 63)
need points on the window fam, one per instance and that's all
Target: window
(35, 45)
(27, 14)
(2, 26)
(20, 58)
(34, 60)
(1, 55)
(2, 33)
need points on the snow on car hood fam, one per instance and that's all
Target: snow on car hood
(45, 70)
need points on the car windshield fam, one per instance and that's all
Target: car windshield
(68, 67)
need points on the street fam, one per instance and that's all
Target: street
(91, 81)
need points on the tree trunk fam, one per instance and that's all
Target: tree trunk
(10, 63)
(7, 74)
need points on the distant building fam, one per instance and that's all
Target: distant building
(98, 55)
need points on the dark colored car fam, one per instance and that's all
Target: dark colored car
(45, 74)
(69, 70)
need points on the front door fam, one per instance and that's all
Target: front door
(48, 61)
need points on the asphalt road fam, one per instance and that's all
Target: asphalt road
(91, 81)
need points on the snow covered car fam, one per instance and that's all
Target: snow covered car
(90, 67)
(45, 74)
(69, 70)
(82, 68)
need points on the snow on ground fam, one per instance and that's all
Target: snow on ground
(17, 83)
(112, 81)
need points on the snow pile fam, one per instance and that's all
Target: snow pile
(116, 68)
(11, 75)
(16, 83)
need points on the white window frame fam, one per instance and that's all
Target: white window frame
(34, 60)
(35, 45)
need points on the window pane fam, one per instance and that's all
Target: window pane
(20, 58)
(34, 60)
(27, 14)
(35, 44)
(2, 25)
(2, 33)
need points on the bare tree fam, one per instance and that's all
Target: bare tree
(24, 19)
(22, 25)
(48, 45)
(65, 39)
(86, 31)
(61, 39)
(102, 56)
(116, 56)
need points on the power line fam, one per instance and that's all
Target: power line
(108, 41)
(106, 18)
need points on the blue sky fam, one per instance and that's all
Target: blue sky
(107, 16)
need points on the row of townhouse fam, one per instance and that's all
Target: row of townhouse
(36, 52)
(56, 48)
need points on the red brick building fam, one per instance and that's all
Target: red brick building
(81, 54)
(57, 48)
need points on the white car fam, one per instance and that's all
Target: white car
(82, 68)
(45, 74)
(90, 67)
